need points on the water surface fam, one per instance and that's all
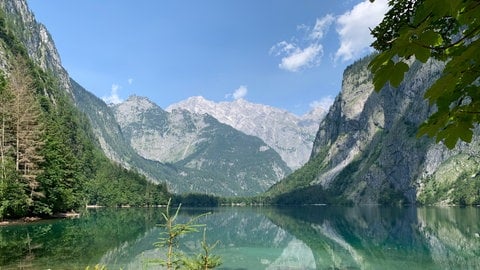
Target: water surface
(316, 237)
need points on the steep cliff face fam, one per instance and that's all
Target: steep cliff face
(366, 149)
(37, 40)
(212, 157)
(291, 136)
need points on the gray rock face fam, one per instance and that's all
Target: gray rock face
(373, 134)
(156, 134)
(366, 149)
(112, 141)
(290, 135)
(211, 157)
(38, 42)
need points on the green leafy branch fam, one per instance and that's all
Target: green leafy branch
(445, 30)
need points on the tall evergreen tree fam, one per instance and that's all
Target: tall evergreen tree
(5, 134)
(28, 131)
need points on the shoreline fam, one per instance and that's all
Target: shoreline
(29, 220)
(20, 221)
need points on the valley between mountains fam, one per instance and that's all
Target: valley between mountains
(75, 149)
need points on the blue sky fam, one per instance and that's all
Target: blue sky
(285, 53)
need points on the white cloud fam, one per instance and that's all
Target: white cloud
(298, 58)
(130, 81)
(241, 92)
(114, 98)
(282, 47)
(354, 26)
(307, 53)
(323, 103)
(321, 27)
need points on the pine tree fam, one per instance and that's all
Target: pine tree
(27, 127)
(5, 134)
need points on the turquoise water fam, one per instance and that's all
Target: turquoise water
(317, 237)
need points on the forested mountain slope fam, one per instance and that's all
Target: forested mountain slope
(49, 158)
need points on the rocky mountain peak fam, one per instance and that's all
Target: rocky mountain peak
(195, 104)
(189, 152)
(288, 134)
(200, 147)
(143, 102)
(134, 108)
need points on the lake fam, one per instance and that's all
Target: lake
(313, 237)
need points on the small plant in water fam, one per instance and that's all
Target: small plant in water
(175, 259)
(205, 260)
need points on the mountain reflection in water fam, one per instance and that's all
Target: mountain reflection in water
(308, 237)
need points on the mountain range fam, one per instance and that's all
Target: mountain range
(290, 135)
(210, 157)
(247, 166)
(363, 150)
(189, 152)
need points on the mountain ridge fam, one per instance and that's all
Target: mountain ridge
(210, 156)
(290, 135)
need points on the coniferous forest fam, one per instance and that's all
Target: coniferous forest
(50, 161)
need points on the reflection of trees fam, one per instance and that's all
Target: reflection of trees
(452, 236)
(338, 237)
(73, 244)
(366, 237)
